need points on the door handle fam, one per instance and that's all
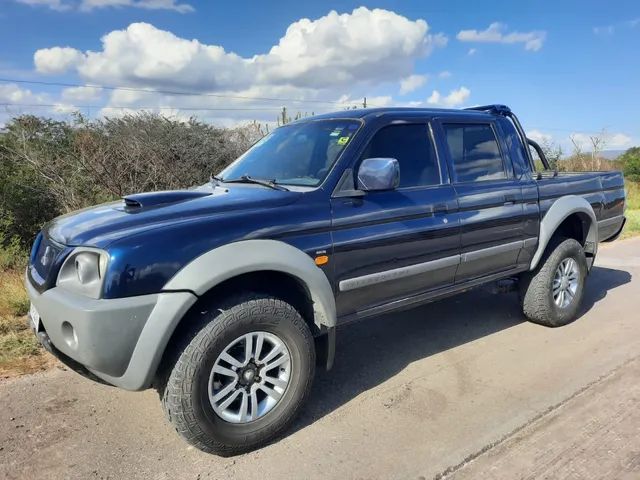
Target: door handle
(509, 199)
(439, 208)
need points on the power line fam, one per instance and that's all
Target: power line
(171, 92)
(65, 105)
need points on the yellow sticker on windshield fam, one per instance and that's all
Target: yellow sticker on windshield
(343, 140)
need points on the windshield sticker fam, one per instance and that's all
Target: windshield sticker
(343, 140)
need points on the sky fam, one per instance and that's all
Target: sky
(569, 69)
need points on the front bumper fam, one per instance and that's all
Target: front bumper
(120, 341)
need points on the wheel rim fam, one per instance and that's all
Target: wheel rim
(249, 377)
(565, 282)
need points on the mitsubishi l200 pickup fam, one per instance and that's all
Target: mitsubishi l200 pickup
(225, 297)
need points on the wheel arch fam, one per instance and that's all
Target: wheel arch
(573, 217)
(266, 266)
(233, 260)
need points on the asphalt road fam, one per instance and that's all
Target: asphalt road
(460, 388)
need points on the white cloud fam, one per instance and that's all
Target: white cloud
(380, 101)
(339, 49)
(618, 140)
(80, 94)
(610, 140)
(540, 137)
(315, 60)
(57, 59)
(364, 46)
(58, 5)
(12, 93)
(455, 97)
(88, 5)
(16, 101)
(580, 139)
(495, 34)
(411, 83)
(444, 74)
(472, 51)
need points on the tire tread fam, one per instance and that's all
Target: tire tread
(534, 286)
(176, 381)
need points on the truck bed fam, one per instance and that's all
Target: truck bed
(603, 190)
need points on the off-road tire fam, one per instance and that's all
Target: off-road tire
(183, 383)
(536, 291)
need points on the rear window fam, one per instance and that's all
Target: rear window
(474, 152)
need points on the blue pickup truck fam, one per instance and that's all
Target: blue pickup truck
(225, 297)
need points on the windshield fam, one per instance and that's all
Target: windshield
(297, 154)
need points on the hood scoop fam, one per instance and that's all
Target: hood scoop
(153, 199)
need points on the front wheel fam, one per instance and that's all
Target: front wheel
(245, 371)
(551, 295)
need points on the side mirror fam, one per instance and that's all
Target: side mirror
(378, 174)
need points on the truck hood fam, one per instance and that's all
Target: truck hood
(100, 225)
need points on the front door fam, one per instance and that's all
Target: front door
(391, 245)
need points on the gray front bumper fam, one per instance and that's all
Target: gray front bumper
(119, 340)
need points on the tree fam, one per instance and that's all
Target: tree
(553, 152)
(630, 161)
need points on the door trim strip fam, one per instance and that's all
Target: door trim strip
(424, 267)
(491, 251)
(397, 273)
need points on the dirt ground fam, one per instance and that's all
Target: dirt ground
(462, 388)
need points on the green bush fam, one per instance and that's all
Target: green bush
(13, 256)
(631, 164)
(50, 167)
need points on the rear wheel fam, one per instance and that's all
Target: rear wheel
(241, 375)
(551, 295)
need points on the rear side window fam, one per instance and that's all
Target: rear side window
(474, 151)
(409, 144)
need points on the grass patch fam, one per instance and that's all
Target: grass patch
(13, 297)
(20, 352)
(632, 227)
(633, 195)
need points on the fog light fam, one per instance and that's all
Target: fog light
(69, 335)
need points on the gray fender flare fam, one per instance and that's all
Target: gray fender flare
(559, 211)
(222, 263)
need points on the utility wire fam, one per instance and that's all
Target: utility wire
(171, 92)
(66, 105)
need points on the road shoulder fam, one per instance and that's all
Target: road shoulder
(593, 434)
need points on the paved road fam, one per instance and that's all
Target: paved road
(455, 388)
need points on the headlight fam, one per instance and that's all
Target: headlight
(83, 271)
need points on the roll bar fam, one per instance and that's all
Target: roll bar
(506, 112)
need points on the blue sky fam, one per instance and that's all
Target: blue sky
(567, 68)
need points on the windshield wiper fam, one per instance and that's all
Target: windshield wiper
(258, 181)
(215, 180)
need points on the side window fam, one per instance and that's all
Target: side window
(474, 152)
(411, 146)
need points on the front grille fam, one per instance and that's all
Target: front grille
(46, 258)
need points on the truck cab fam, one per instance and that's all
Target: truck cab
(224, 297)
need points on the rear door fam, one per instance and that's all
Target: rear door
(392, 245)
(489, 197)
